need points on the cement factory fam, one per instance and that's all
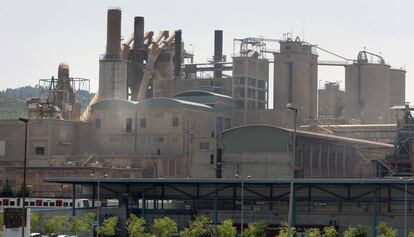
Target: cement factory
(163, 127)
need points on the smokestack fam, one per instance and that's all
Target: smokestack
(138, 32)
(113, 37)
(218, 45)
(177, 55)
(218, 52)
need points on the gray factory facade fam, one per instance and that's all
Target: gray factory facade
(158, 114)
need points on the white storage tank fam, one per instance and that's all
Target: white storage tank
(367, 90)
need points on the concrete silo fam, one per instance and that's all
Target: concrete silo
(296, 78)
(367, 90)
(112, 68)
(397, 87)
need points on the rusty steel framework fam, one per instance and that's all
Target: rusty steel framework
(77, 84)
(250, 47)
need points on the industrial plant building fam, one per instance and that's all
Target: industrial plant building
(158, 114)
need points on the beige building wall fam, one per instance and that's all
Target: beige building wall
(110, 134)
(258, 165)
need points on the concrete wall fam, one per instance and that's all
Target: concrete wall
(331, 101)
(250, 83)
(159, 136)
(112, 79)
(397, 87)
(259, 165)
(112, 136)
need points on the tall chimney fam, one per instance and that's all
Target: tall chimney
(177, 55)
(218, 52)
(113, 37)
(138, 32)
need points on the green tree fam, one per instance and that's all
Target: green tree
(283, 230)
(57, 224)
(411, 233)
(226, 229)
(1, 224)
(83, 224)
(78, 226)
(26, 190)
(7, 190)
(385, 230)
(164, 227)
(89, 222)
(135, 226)
(330, 231)
(35, 221)
(313, 232)
(256, 229)
(200, 226)
(358, 231)
(108, 228)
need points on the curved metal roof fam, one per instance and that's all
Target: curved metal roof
(113, 103)
(162, 102)
(200, 93)
(318, 135)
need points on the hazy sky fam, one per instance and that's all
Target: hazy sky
(35, 36)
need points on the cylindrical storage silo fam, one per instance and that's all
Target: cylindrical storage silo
(397, 87)
(367, 92)
(295, 78)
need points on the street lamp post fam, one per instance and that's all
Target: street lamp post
(98, 210)
(292, 171)
(242, 203)
(25, 121)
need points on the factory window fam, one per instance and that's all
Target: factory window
(97, 123)
(239, 80)
(261, 95)
(240, 91)
(143, 123)
(204, 146)
(261, 105)
(251, 104)
(218, 83)
(2, 148)
(239, 104)
(158, 139)
(128, 125)
(227, 123)
(251, 81)
(40, 150)
(211, 159)
(251, 93)
(261, 84)
(175, 120)
(219, 123)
